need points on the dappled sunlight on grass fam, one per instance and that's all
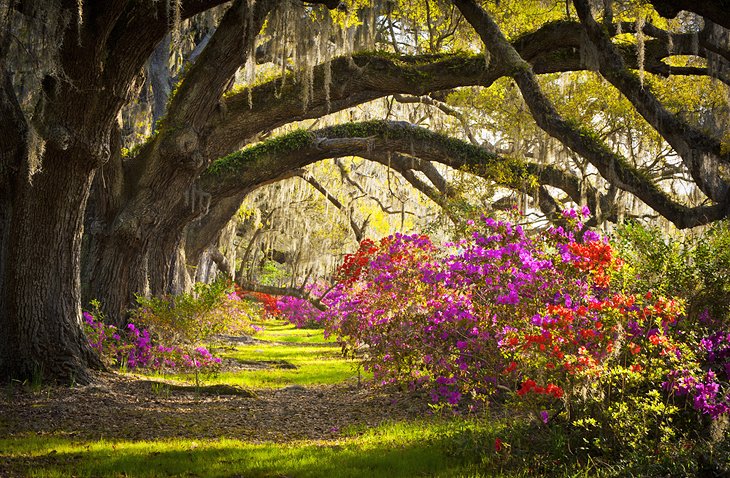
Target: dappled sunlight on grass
(283, 331)
(272, 365)
(390, 450)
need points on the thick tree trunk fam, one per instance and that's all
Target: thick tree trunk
(41, 321)
(163, 259)
(118, 271)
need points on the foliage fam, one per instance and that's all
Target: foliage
(696, 268)
(299, 312)
(543, 317)
(133, 349)
(166, 334)
(268, 303)
(192, 317)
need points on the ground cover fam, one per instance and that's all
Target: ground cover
(293, 407)
(318, 422)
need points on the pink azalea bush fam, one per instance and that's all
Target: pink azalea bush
(133, 349)
(301, 312)
(166, 333)
(536, 315)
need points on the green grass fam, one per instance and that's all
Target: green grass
(445, 446)
(318, 363)
(315, 365)
(282, 331)
(390, 450)
(433, 447)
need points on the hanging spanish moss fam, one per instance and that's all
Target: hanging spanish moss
(640, 47)
(79, 18)
(302, 37)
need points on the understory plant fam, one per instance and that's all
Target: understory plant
(541, 319)
(133, 349)
(168, 333)
(301, 311)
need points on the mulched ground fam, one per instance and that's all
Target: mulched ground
(134, 408)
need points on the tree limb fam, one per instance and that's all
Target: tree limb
(717, 10)
(375, 140)
(613, 167)
(701, 153)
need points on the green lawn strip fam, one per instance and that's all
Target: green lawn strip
(310, 365)
(314, 365)
(283, 331)
(431, 447)
(399, 449)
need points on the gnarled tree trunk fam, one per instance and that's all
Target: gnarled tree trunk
(41, 317)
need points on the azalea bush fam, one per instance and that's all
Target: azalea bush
(267, 303)
(166, 334)
(542, 318)
(191, 317)
(301, 311)
(133, 349)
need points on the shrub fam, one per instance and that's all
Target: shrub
(551, 318)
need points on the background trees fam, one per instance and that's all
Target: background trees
(607, 105)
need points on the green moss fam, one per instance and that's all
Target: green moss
(418, 67)
(510, 172)
(246, 157)
(505, 171)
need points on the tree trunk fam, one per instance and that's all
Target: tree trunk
(118, 271)
(41, 320)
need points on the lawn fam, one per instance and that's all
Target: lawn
(306, 416)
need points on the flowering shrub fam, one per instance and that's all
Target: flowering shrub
(133, 349)
(537, 315)
(268, 302)
(299, 312)
(302, 312)
(190, 318)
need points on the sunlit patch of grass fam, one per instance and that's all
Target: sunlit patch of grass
(283, 331)
(401, 449)
(286, 365)
(312, 365)
(445, 446)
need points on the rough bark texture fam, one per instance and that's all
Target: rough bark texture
(45, 189)
(42, 318)
(702, 154)
(149, 188)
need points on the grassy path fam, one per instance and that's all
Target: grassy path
(302, 414)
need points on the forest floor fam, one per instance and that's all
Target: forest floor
(290, 389)
(122, 406)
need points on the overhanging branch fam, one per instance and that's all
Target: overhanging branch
(377, 139)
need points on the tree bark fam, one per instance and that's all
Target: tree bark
(41, 320)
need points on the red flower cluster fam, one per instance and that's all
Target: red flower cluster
(353, 264)
(266, 300)
(531, 386)
(596, 258)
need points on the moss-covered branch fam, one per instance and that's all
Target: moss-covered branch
(702, 153)
(370, 75)
(379, 140)
(612, 166)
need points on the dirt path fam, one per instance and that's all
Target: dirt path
(125, 407)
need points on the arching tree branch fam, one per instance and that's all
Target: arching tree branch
(701, 153)
(717, 11)
(613, 167)
(375, 140)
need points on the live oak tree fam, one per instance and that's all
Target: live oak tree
(89, 56)
(158, 207)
